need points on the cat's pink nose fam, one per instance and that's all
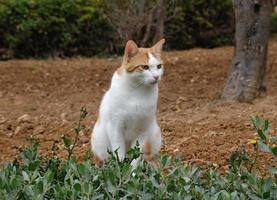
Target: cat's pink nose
(156, 77)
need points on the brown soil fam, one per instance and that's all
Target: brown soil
(194, 122)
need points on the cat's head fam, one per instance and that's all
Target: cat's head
(143, 65)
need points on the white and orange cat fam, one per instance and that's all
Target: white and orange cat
(128, 109)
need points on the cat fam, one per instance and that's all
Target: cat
(127, 112)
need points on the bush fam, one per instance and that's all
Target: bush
(39, 178)
(40, 28)
(200, 23)
(274, 23)
(266, 142)
(33, 176)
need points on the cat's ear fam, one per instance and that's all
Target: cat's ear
(131, 49)
(158, 47)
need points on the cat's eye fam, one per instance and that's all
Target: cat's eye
(159, 66)
(145, 67)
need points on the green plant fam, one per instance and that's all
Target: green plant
(205, 23)
(239, 160)
(33, 176)
(68, 144)
(274, 23)
(266, 142)
(41, 28)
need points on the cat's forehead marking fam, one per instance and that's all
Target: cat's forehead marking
(145, 56)
(141, 58)
(153, 60)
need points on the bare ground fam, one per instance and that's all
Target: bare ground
(194, 122)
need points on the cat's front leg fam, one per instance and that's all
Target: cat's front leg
(117, 142)
(140, 141)
(147, 154)
(149, 144)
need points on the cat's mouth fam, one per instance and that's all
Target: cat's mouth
(154, 82)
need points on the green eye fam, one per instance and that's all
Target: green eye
(159, 66)
(145, 67)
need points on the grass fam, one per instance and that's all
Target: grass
(34, 176)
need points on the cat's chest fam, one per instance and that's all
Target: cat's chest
(140, 108)
(136, 116)
(136, 104)
(136, 110)
(137, 119)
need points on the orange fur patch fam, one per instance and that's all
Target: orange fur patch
(148, 155)
(97, 121)
(140, 59)
(147, 152)
(135, 63)
(120, 70)
(134, 57)
(157, 55)
(96, 161)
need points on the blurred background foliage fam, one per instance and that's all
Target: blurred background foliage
(201, 23)
(43, 28)
(40, 28)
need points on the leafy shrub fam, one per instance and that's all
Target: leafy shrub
(40, 28)
(266, 142)
(274, 23)
(205, 23)
(39, 178)
(33, 176)
(52, 27)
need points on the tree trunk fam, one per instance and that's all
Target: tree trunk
(247, 72)
(160, 21)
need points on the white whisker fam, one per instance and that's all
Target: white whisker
(139, 84)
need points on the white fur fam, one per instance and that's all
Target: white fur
(152, 60)
(128, 113)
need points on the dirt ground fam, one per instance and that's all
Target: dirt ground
(42, 99)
